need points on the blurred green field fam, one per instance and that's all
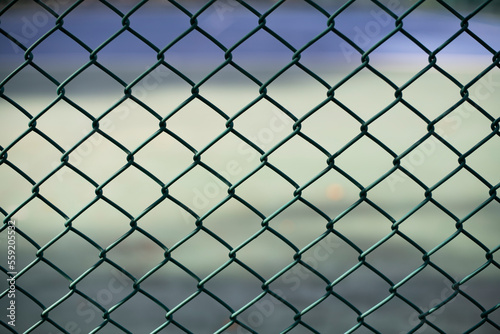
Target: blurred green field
(331, 127)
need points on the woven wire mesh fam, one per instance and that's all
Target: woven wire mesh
(330, 279)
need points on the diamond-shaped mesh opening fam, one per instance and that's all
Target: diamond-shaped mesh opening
(397, 195)
(440, 290)
(181, 54)
(298, 91)
(483, 225)
(13, 123)
(78, 90)
(366, 26)
(231, 99)
(76, 124)
(150, 312)
(477, 192)
(430, 161)
(330, 256)
(486, 164)
(267, 313)
(15, 181)
(299, 159)
(361, 295)
(106, 23)
(228, 285)
(124, 51)
(395, 258)
(102, 223)
(341, 127)
(136, 253)
(228, 21)
(329, 48)
(266, 179)
(399, 128)
(155, 157)
(364, 218)
(104, 287)
(466, 313)
(201, 262)
(29, 29)
(235, 167)
(442, 23)
(198, 123)
(259, 248)
(264, 125)
(464, 49)
(482, 288)
(399, 58)
(380, 161)
(428, 227)
(160, 23)
(47, 276)
(233, 164)
(432, 94)
(233, 222)
(374, 101)
(459, 257)
(299, 224)
(170, 285)
(199, 190)
(51, 220)
(167, 222)
(460, 127)
(482, 24)
(301, 286)
(71, 245)
(262, 44)
(36, 167)
(42, 90)
(332, 193)
(330, 313)
(294, 34)
(67, 183)
(129, 117)
(89, 156)
(160, 89)
(60, 43)
(392, 308)
(211, 312)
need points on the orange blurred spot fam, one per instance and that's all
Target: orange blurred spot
(335, 192)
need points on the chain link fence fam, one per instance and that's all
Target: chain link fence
(233, 166)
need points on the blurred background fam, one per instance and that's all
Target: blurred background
(76, 69)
